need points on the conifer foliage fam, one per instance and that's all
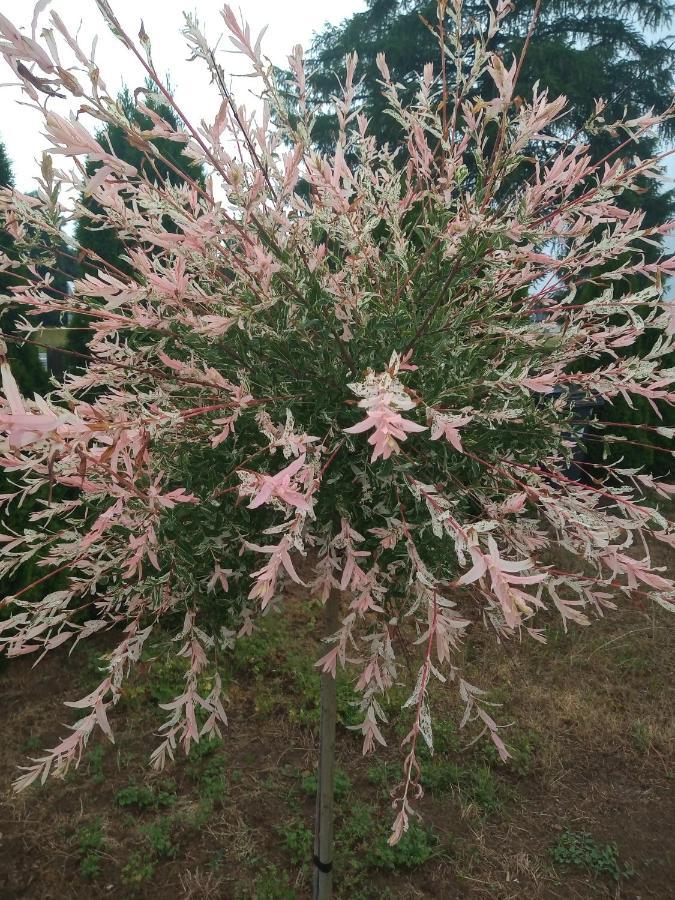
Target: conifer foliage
(361, 390)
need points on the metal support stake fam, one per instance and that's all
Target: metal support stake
(323, 829)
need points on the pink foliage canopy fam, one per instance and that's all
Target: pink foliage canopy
(405, 331)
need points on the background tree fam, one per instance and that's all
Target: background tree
(31, 375)
(167, 165)
(161, 160)
(583, 49)
(31, 372)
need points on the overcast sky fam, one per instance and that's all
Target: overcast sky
(290, 22)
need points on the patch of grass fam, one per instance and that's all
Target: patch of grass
(144, 796)
(417, 846)
(286, 675)
(348, 713)
(92, 664)
(217, 861)
(212, 781)
(297, 839)
(579, 849)
(446, 737)
(203, 749)
(94, 760)
(90, 866)
(523, 747)
(158, 836)
(207, 769)
(31, 744)
(166, 792)
(477, 785)
(521, 744)
(483, 789)
(90, 843)
(355, 830)
(272, 884)
(341, 784)
(159, 678)
(361, 843)
(137, 870)
(139, 795)
(632, 663)
(441, 775)
(196, 819)
(640, 736)
(380, 774)
(165, 678)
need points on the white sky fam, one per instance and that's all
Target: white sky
(290, 22)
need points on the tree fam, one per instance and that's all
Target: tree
(349, 396)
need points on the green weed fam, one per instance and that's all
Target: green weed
(417, 846)
(158, 836)
(297, 838)
(90, 843)
(482, 788)
(202, 749)
(446, 737)
(640, 737)
(272, 884)
(632, 664)
(341, 784)
(90, 866)
(206, 767)
(356, 829)
(284, 675)
(379, 774)
(138, 795)
(166, 679)
(522, 745)
(95, 761)
(212, 781)
(440, 775)
(137, 870)
(31, 744)
(477, 784)
(143, 796)
(579, 849)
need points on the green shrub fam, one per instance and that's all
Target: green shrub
(579, 849)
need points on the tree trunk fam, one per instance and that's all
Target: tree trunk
(323, 828)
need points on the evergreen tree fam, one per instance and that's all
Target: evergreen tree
(166, 168)
(170, 167)
(31, 375)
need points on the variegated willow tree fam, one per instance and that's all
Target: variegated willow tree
(332, 371)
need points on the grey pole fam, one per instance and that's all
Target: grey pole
(323, 828)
